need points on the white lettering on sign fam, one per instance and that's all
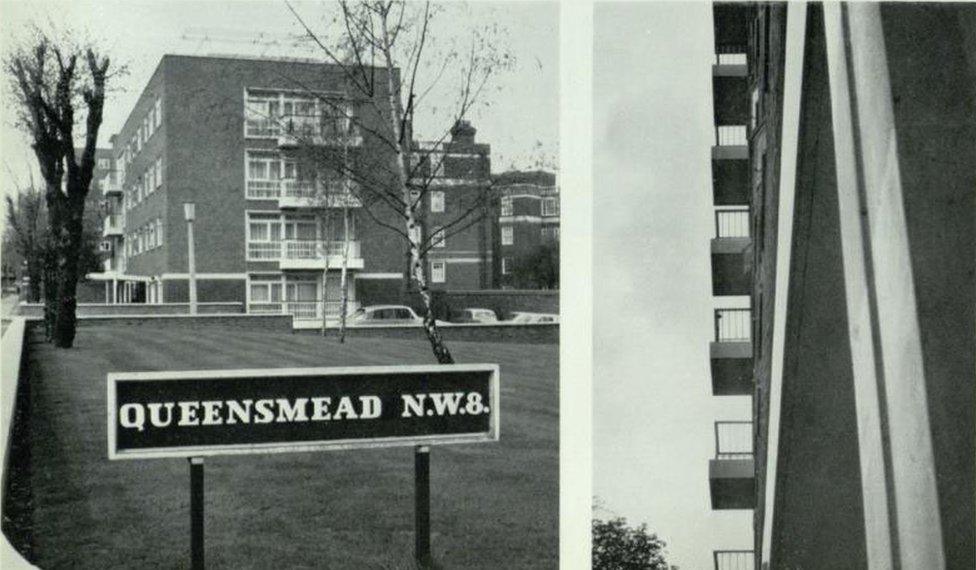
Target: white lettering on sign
(443, 403)
(264, 411)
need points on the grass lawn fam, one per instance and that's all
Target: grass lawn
(493, 505)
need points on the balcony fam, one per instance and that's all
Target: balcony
(731, 353)
(730, 87)
(294, 131)
(112, 226)
(292, 193)
(730, 166)
(305, 254)
(312, 194)
(730, 21)
(110, 187)
(731, 475)
(731, 248)
(734, 560)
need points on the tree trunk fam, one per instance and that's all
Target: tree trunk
(35, 273)
(49, 286)
(441, 352)
(343, 284)
(68, 249)
(325, 272)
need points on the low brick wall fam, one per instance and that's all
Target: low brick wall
(271, 323)
(542, 333)
(103, 309)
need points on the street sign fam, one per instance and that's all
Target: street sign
(220, 412)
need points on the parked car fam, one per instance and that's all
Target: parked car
(475, 316)
(379, 315)
(531, 318)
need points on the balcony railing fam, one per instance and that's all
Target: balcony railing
(298, 249)
(733, 440)
(734, 560)
(731, 135)
(292, 188)
(732, 223)
(262, 127)
(733, 57)
(263, 189)
(733, 325)
(333, 190)
(302, 128)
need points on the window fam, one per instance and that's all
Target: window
(508, 235)
(151, 236)
(103, 163)
(550, 233)
(302, 229)
(159, 172)
(159, 232)
(438, 269)
(550, 206)
(438, 238)
(139, 139)
(507, 206)
(437, 201)
(265, 289)
(145, 129)
(149, 124)
(158, 115)
(415, 235)
(506, 265)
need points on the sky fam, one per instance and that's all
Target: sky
(653, 411)
(521, 120)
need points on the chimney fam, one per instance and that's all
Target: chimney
(463, 132)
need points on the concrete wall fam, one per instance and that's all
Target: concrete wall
(819, 519)
(931, 53)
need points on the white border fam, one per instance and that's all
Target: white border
(285, 447)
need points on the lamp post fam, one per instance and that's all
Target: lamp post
(189, 212)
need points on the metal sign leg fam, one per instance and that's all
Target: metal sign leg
(422, 506)
(196, 513)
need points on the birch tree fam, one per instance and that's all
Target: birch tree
(384, 52)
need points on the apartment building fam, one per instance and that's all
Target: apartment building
(844, 181)
(244, 140)
(528, 227)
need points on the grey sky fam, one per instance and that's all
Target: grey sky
(521, 123)
(653, 410)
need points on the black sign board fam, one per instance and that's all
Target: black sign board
(218, 412)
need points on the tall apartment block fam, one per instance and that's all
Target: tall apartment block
(844, 183)
(239, 138)
(528, 220)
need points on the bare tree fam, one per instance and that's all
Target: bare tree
(383, 51)
(53, 93)
(27, 234)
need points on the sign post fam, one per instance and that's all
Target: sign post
(194, 414)
(196, 513)
(421, 467)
